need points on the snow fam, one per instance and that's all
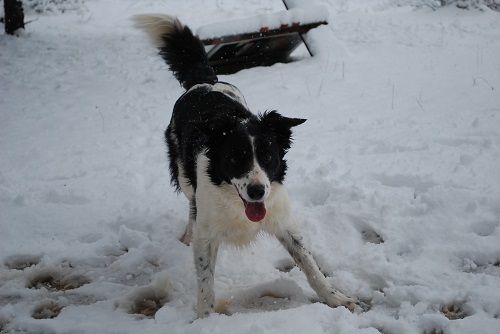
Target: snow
(271, 21)
(393, 178)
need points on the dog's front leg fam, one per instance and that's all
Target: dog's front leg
(292, 241)
(205, 256)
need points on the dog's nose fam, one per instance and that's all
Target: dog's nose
(256, 191)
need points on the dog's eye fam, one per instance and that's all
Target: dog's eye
(268, 158)
(233, 161)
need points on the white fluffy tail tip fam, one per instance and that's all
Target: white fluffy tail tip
(156, 25)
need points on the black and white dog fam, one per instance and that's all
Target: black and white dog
(228, 162)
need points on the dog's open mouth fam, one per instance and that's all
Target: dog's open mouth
(255, 211)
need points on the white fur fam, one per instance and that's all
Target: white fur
(220, 211)
(156, 25)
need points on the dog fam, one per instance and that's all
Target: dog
(229, 163)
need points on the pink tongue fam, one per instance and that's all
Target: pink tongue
(255, 211)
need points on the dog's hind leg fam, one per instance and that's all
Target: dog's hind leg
(205, 256)
(188, 232)
(292, 241)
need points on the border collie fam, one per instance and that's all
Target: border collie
(228, 162)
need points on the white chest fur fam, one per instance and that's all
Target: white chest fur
(221, 213)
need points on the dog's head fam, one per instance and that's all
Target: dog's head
(249, 155)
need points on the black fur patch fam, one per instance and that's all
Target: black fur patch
(186, 57)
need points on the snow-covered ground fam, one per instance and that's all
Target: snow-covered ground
(395, 177)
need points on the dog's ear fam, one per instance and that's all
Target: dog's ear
(275, 119)
(281, 126)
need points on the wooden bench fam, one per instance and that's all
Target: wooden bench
(259, 41)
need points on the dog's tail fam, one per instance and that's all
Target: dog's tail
(182, 51)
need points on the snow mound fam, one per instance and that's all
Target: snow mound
(265, 21)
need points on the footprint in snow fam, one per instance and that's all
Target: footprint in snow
(454, 311)
(491, 267)
(4, 322)
(145, 301)
(271, 296)
(284, 265)
(147, 305)
(369, 235)
(434, 331)
(46, 310)
(484, 228)
(55, 280)
(21, 261)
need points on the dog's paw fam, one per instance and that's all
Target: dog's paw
(361, 306)
(222, 307)
(337, 298)
(357, 306)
